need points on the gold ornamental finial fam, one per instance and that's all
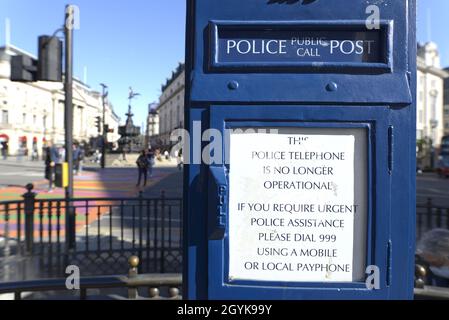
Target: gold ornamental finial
(134, 261)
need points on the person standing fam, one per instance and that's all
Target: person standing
(5, 150)
(76, 158)
(151, 162)
(180, 160)
(34, 153)
(82, 154)
(142, 166)
(60, 155)
(51, 158)
(21, 153)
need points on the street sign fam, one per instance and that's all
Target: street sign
(274, 235)
(303, 186)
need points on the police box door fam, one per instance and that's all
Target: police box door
(299, 205)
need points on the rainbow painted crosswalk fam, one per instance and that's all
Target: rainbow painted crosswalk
(108, 183)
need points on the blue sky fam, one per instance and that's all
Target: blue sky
(139, 42)
(121, 42)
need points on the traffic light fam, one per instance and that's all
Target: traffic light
(23, 69)
(50, 59)
(107, 129)
(98, 123)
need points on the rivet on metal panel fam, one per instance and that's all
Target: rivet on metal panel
(233, 85)
(332, 86)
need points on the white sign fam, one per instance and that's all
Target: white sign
(297, 208)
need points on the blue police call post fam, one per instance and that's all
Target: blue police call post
(302, 183)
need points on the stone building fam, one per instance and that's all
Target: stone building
(430, 103)
(152, 126)
(171, 107)
(33, 113)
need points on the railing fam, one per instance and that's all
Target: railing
(429, 217)
(35, 241)
(161, 286)
(97, 235)
(423, 291)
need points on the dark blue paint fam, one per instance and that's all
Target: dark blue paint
(380, 97)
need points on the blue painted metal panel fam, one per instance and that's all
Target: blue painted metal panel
(376, 119)
(380, 97)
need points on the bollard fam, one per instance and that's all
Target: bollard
(173, 293)
(154, 293)
(29, 200)
(420, 275)
(133, 267)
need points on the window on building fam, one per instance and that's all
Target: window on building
(420, 116)
(166, 129)
(4, 119)
(433, 83)
(34, 120)
(24, 118)
(44, 122)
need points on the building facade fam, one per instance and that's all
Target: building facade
(171, 107)
(33, 113)
(430, 95)
(446, 104)
(431, 114)
(152, 126)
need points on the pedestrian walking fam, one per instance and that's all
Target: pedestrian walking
(142, 166)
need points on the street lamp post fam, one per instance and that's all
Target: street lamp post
(68, 121)
(103, 148)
